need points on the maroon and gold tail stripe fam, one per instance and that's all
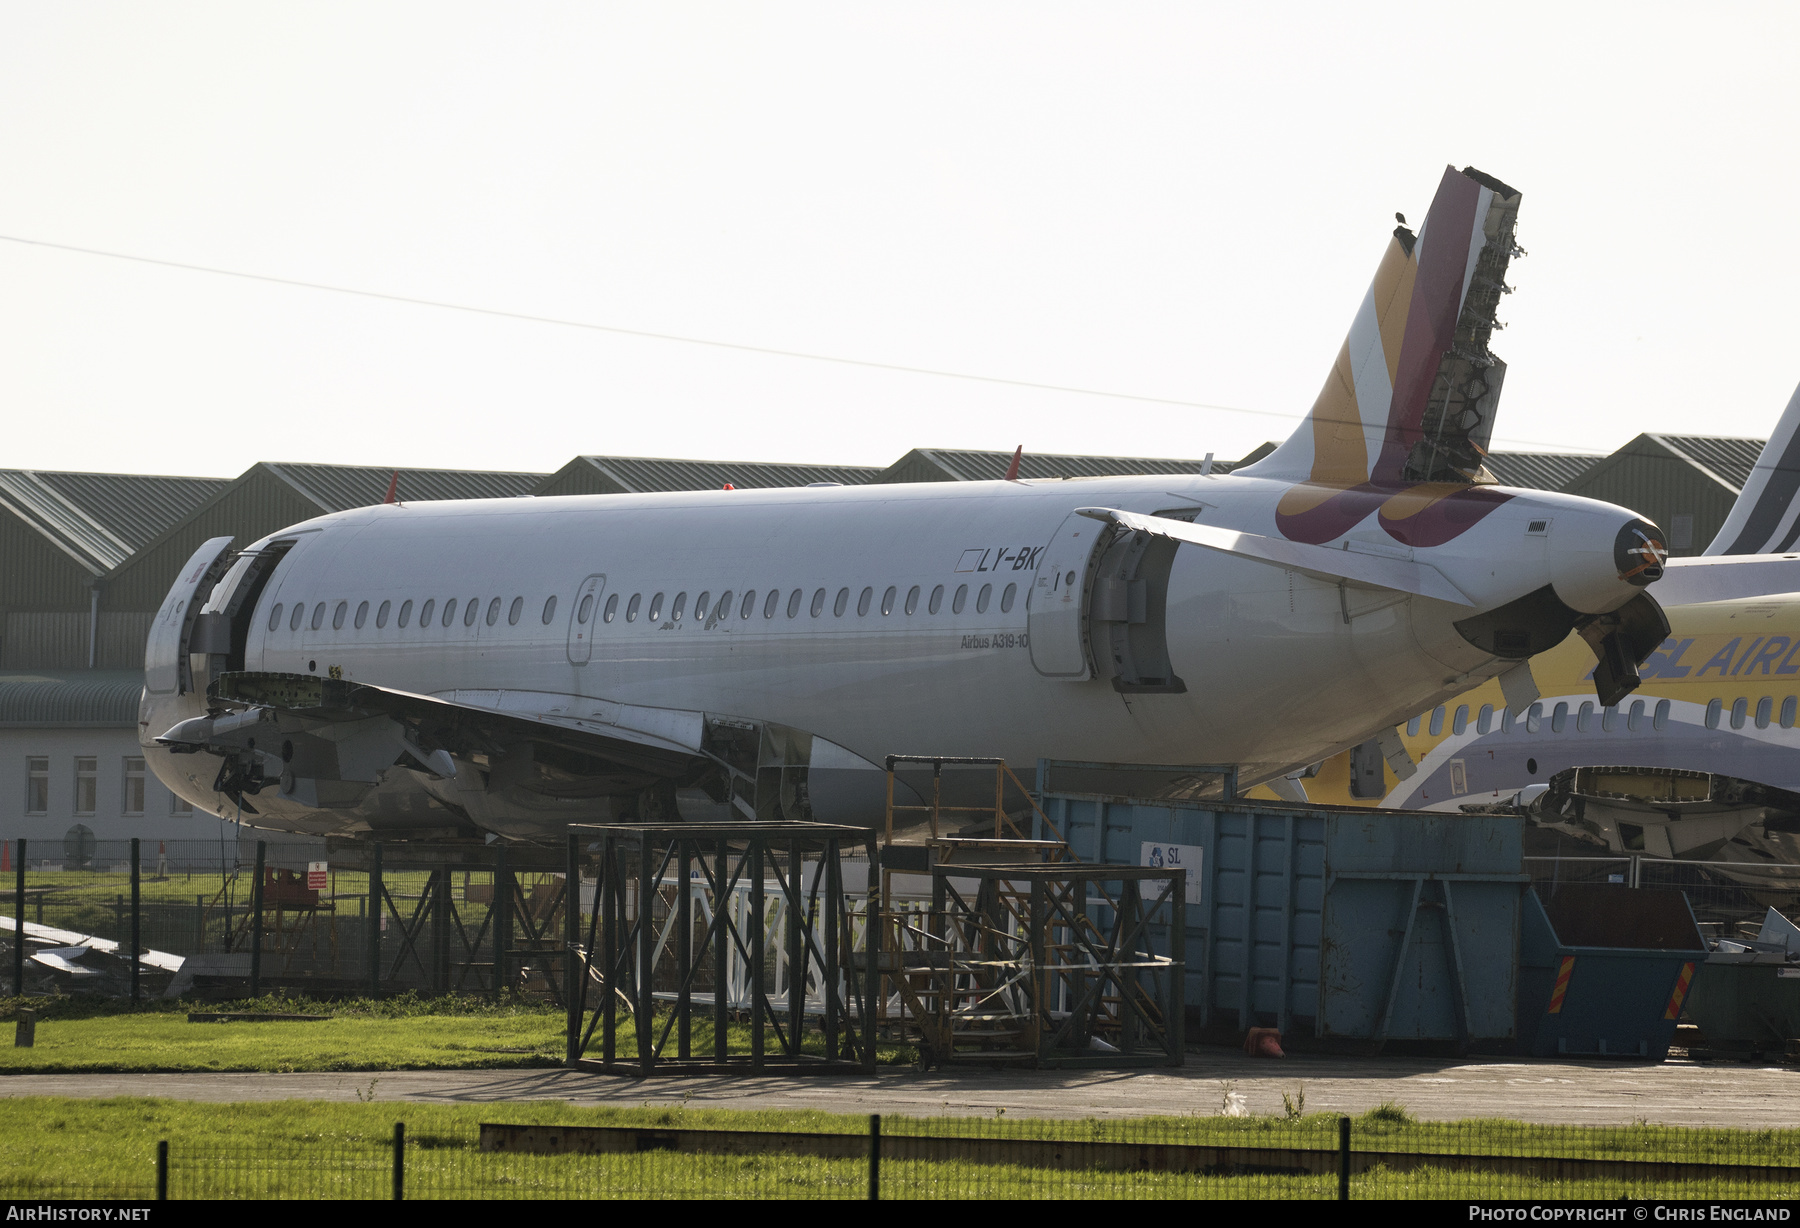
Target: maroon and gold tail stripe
(1562, 985)
(1681, 988)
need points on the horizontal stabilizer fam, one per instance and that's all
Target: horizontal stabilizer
(1400, 575)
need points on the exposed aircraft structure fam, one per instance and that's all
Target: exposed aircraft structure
(514, 665)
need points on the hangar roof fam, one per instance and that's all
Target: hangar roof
(1728, 459)
(336, 488)
(79, 698)
(1538, 470)
(100, 519)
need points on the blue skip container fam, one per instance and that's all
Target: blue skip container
(1341, 923)
(1604, 970)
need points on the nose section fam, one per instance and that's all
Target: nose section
(1604, 560)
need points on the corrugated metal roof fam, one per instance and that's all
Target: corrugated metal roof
(98, 519)
(961, 465)
(643, 474)
(1538, 470)
(1730, 459)
(81, 698)
(336, 488)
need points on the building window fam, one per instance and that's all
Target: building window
(37, 784)
(134, 785)
(87, 784)
(180, 805)
(1681, 531)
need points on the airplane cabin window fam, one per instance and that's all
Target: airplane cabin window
(362, 615)
(425, 612)
(912, 599)
(887, 601)
(843, 599)
(981, 598)
(1484, 720)
(1661, 719)
(318, 618)
(631, 607)
(585, 610)
(702, 601)
(1506, 720)
(471, 609)
(1712, 713)
(654, 613)
(513, 611)
(818, 602)
(493, 614)
(724, 610)
(862, 602)
(1006, 598)
(1634, 720)
(405, 613)
(679, 609)
(299, 613)
(748, 607)
(773, 600)
(337, 615)
(612, 608)
(449, 615)
(275, 617)
(793, 610)
(1460, 721)
(1765, 710)
(1559, 718)
(1534, 720)
(1412, 728)
(937, 599)
(381, 615)
(1437, 720)
(1740, 708)
(1584, 718)
(549, 608)
(1787, 711)
(960, 600)
(1609, 718)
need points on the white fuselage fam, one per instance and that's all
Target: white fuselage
(1281, 668)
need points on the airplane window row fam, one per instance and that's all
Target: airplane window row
(1607, 720)
(727, 604)
(471, 610)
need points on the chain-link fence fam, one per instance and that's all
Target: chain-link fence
(1383, 1154)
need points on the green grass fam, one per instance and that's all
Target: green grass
(305, 1149)
(406, 1033)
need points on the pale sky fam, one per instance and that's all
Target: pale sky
(1178, 201)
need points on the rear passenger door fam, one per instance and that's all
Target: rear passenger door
(584, 617)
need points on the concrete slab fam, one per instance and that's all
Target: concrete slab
(1587, 1093)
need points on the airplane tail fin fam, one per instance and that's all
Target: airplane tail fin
(1766, 517)
(1412, 395)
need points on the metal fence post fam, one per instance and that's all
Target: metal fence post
(137, 900)
(162, 1171)
(375, 915)
(1343, 1159)
(19, 922)
(572, 970)
(399, 1161)
(874, 1157)
(503, 916)
(256, 921)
